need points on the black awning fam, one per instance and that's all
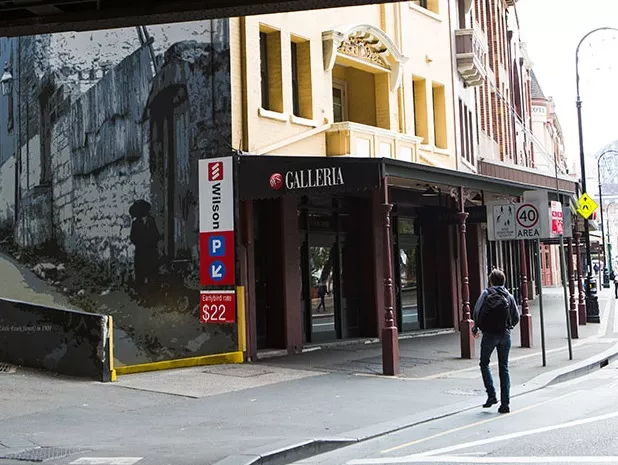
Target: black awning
(270, 176)
(434, 175)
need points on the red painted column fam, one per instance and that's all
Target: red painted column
(580, 282)
(526, 318)
(248, 277)
(390, 336)
(572, 304)
(466, 324)
(291, 275)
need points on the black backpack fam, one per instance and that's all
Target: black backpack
(495, 315)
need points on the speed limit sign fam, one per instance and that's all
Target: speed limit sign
(527, 218)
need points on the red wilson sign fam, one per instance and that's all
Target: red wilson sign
(217, 307)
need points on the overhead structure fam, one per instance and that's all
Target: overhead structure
(30, 17)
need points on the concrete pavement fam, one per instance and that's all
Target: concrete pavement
(572, 422)
(278, 409)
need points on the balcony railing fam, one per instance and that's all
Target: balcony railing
(471, 55)
(359, 140)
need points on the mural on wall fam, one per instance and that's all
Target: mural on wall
(100, 134)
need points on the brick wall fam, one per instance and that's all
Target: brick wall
(99, 141)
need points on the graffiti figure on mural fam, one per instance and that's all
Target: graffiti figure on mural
(145, 237)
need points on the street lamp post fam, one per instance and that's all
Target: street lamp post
(605, 270)
(592, 301)
(609, 246)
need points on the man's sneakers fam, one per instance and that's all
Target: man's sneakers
(504, 409)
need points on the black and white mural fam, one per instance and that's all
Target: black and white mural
(100, 134)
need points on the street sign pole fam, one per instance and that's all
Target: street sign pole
(540, 291)
(566, 297)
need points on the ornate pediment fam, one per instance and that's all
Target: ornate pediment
(365, 49)
(367, 43)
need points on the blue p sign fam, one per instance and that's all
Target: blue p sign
(216, 246)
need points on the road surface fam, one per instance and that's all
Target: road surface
(574, 422)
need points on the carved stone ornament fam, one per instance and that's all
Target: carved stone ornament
(365, 42)
(359, 47)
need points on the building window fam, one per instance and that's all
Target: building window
(439, 116)
(466, 133)
(431, 5)
(419, 90)
(295, 89)
(366, 96)
(302, 91)
(462, 131)
(270, 71)
(340, 101)
(264, 68)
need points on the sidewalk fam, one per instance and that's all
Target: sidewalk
(241, 413)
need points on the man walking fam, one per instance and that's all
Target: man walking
(495, 314)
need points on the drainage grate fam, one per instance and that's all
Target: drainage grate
(7, 369)
(465, 392)
(41, 454)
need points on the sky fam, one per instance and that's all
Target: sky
(552, 29)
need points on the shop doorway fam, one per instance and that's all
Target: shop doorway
(330, 300)
(407, 264)
(322, 314)
(330, 271)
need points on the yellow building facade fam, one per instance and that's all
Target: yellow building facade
(365, 81)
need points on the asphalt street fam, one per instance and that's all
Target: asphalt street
(573, 422)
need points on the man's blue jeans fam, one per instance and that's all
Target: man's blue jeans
(502, 344)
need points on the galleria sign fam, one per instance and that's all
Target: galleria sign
(306, 179)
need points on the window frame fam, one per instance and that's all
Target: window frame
(341, 85)
(264, 71)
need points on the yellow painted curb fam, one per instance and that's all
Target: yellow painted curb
(110, 335)
(217, 359)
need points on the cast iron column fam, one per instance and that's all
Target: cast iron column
(581, 307)
(526, 318)
(465, 327)
(390, 337)
(572, 304)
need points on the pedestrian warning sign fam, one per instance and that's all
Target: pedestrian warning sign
(587, 206)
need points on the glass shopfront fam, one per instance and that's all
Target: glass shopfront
(407, 276)
(329, 269)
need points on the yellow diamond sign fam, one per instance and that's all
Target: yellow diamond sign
(587, 206)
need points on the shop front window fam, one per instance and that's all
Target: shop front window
(408, 275)
(321, 261)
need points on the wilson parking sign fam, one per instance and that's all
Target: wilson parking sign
(217, 241)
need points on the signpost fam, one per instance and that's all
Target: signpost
(217, 306)
(217, 210)
(533, 219)
(586, 206)
(217, 242)
(557, 218)
(527, 217)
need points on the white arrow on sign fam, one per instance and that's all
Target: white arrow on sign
(215, 271)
